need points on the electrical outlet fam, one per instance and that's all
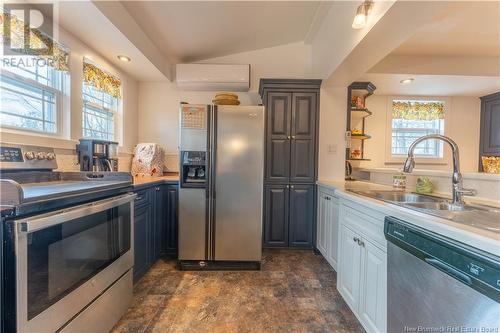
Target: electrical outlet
(332, 148)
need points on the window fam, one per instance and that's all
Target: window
(101, 101)
(99, 110)
(31, 95)
(412, 119)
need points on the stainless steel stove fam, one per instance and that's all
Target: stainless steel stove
(67, 251)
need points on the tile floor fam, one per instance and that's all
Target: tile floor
(294, 292)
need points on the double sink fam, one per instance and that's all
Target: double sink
(483, 217)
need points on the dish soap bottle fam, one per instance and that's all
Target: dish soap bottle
(399, 180)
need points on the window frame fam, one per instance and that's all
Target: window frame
(399, 159)
(58, 103)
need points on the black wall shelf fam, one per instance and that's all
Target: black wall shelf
(362, 90)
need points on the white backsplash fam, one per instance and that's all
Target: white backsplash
(67, 160)
(486, 185)
(172, 162)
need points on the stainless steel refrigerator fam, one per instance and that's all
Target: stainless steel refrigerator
(221, 191)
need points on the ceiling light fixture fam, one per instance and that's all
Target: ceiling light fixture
(362, 13)
(407, 81)
(124, 58)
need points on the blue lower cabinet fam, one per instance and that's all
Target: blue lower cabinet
(155, 226)
(142, 221)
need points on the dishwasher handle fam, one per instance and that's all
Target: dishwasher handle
(449, 270)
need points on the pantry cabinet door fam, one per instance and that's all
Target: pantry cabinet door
(278, 137)
(373, 301)
(303, 137)
(350, 267)
(276, 215)
(302, 211)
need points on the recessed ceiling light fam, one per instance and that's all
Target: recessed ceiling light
(124, 58)
(407, 81)
(362, 13)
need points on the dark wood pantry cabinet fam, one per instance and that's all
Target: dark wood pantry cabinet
(155, 225)
(490, 127)
(292, 114)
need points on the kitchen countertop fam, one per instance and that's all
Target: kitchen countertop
(485, 240)
(147, 181)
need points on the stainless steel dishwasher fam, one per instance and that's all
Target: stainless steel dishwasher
(436, 284)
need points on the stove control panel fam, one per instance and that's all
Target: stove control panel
(21, 157)
(11, 154)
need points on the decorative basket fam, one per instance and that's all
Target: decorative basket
(226, 98)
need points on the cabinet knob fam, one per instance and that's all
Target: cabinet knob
(291, 186)
(288, 137)
(356, 239)
(288, 186)
(157, 188)
(138, 198)
(293, 136)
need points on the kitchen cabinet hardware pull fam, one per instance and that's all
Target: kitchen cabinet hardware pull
(288, 186)
(356, 239)
(138, 198)
(291, 186)
(293, 136)
(361, 243)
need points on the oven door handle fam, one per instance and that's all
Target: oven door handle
(43, 221)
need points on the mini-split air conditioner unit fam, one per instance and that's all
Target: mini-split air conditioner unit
(213, 77)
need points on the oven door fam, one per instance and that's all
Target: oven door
(67, 258)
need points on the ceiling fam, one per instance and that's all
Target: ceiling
(433, 85)
(469, 28)
(103, 37)
(195, 30)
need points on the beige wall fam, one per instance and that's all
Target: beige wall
(331, 133)
(463, 127)
(159, 101)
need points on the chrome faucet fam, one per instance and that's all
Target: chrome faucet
(457, 187)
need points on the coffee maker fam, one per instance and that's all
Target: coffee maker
(97, 155)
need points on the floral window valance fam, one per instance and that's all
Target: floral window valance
(101, 80)
(417, 110)
(58, 55)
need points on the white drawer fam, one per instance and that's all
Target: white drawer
(369, 225)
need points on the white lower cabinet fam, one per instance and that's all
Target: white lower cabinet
(321, 235)
(327, 226)
(349, 272)
(362, 273)
(373, 300)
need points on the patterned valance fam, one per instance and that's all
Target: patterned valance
(101, 80)
(417, 110)
(59, 55)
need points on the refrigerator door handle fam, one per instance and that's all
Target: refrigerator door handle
(212, 144)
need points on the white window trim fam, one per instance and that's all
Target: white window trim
(392, 159)
(59, 104)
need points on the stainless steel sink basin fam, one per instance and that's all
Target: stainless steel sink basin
(483, 217)
(399, 196)
(405, 197)
(442, 206)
